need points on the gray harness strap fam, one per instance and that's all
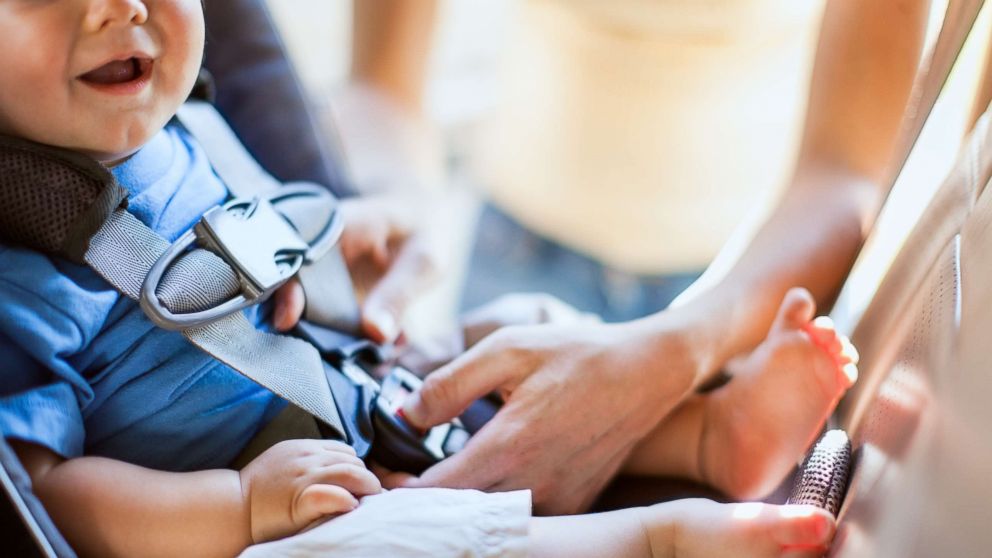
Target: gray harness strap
(124, 250)
(243, 176)
(330, 298)
(65, 204)
(61, 203)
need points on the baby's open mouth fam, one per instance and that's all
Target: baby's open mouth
(119, 72)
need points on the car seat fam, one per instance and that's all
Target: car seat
(918, 418)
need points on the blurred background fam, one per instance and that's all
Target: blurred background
(610, 149)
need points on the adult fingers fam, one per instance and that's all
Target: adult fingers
(413, 271)
(289, 303)
(447, 392)
(390, 478)
(367, 241)
(476, 466)
(576, 489)
(397, 480)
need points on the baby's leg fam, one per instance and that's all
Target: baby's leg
(744, 438)
(687, 529)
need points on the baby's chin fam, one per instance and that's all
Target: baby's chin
(108, 139)
(112, 150)
(110, 158)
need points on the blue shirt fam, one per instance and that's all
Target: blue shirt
(83, 371)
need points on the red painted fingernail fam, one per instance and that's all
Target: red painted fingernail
(402, 415)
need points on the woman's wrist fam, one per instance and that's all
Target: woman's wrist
(689, 341)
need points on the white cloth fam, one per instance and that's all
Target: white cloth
(406, 523)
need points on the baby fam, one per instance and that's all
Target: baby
(127, 430)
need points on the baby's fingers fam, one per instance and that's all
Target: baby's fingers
(318, 500)
(354, 478)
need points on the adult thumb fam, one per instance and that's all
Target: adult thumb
(410, 275)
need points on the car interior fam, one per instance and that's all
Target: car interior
(918, 418)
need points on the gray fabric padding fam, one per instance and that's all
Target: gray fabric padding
(330, 294)
(242, 175)
(66, 204)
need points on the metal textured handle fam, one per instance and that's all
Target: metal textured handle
(822, 480)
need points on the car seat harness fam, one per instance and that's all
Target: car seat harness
(64, 204)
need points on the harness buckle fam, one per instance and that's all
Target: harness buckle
(261, 245)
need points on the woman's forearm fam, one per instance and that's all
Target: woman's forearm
(110, 508)
(864, 71)
(391, 46)
(811, 241)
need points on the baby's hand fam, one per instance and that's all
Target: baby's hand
(297, 482)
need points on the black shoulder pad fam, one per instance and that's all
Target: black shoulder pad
(53, 200)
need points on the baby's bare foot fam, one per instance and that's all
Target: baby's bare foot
(702, 528)
(780, 396)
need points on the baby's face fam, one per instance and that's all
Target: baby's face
(96, 76)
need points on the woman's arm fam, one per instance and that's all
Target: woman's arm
(584, 396)
(391, 47)
(866, 62)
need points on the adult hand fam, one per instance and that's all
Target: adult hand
(513, 309)
(577, 398)
(392, 257)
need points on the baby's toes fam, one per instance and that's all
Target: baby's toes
(838, 347)
(848, 353)
(800, 530)
(823, 333)
(848, 361)
(797, 309)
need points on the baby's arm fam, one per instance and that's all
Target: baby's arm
(111, 508)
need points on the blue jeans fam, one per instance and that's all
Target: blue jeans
(507, 257)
